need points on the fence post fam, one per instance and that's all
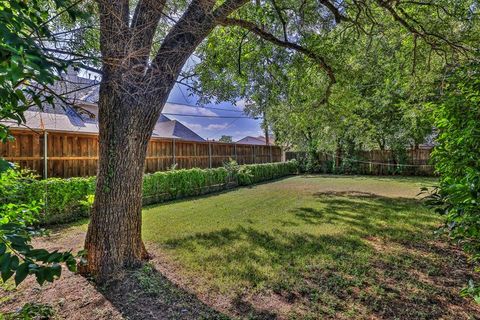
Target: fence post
(209, 154)
(253, 154)
(45, 155)
(173, 152)
(271, 157)
(235, 151)
(195, 160)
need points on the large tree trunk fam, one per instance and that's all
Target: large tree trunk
(113, 239)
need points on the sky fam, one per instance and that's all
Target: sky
(209, 123)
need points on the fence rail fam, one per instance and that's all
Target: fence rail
(374, 162)
(60, 154)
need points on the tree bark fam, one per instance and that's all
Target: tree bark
(113, 238)
(265, 123)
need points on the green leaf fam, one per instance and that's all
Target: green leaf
(21, 273)
(4, 165)
(3, 248)
(7, 275)
(40, 274)
(14, 262)
(5, 262)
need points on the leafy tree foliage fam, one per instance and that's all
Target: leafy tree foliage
(384, 71)
(26, 68)
(26, 73)
(457, 160)
(225, 138)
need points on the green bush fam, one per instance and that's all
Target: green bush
(14, 184)
(63, 198)
(162, 186)
(255, 173)
(457, 160)
(68, 200)
(18, 215)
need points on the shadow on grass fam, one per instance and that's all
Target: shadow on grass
(375, 258)
(146, 294)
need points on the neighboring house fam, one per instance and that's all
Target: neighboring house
(260, 140)
(77, 112)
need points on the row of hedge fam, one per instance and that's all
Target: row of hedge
(67, 200)
(359, 165)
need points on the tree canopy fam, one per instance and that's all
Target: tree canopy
(386, 62)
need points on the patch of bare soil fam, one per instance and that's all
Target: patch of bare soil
(139, 294)
(72, 297)
(147, 294)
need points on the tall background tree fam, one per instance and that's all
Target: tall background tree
(384, 73)
(225, 138)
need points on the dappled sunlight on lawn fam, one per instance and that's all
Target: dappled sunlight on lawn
(336, 251)
(305, 247)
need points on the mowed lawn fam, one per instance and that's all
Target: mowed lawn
(304, 247)
(313, 247)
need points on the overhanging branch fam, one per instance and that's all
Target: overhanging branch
(252, 27)
(428, 36)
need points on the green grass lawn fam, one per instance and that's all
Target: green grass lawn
(312, 247)
(304, 247)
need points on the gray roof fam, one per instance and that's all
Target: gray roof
(76, 89)
(174, 129)
(80, 113)
(260, 140)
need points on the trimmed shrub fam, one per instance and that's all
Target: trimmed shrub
(168, 185)
(255, 173)
(68, 200)
(64, 199)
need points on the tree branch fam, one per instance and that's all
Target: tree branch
(422, 33)
(334, 10)
(282, 20)
(285, 44)
(194, 25)
(114, 31)
(227, 8)
(143, 26)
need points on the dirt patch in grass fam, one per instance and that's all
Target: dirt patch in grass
(71, 298)
(146, 294)
(137, 294)
(74, 297)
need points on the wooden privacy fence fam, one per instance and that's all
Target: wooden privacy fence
(374, 162)
(60, 154)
